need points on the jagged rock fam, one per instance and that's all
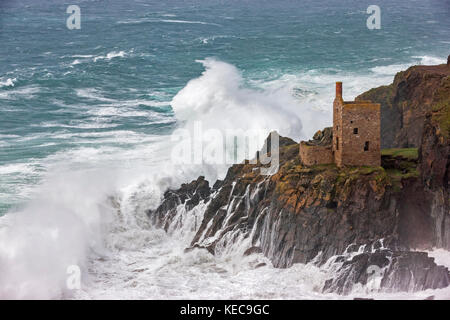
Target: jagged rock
(217, 185)
(434, 158)
(322, 137)
(414, 271)
(252, 250)
(405, 102)
(189, 194)
(397, 271)
(197, 246)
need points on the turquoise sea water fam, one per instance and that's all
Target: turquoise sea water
(87, 114)
(64, 89)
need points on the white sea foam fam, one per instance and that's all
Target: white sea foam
(430, 60)
(38, 243)
(156, 260)
(133, 21)
(8, 136)
(26, 92)
(121, 109)
(110, 106)
(394, 68)
(17, 168)
(146, 20)
(212, 38)
(110, 55)
(390, 69)
(93, 94)
(80, 125)
(82, 56)
(8, 82)
(188, 22)
(441, 257)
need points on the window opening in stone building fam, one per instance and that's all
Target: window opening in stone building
(366, 146)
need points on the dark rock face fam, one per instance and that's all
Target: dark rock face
(322, 137)
(393, 270)
(252, 250)
(190, 194)
(414, 271)
(434, 158)
(415, 224)
(404, 104)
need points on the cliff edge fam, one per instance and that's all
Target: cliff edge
(406, 102)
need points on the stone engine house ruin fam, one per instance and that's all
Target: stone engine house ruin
(354, 139)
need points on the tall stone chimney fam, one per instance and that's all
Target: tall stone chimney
(339, 90)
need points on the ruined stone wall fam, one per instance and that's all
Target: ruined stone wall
(311, 155)
(360, 134)
(337, 130)
(356, 135)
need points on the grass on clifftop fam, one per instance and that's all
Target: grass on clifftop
(407, 153)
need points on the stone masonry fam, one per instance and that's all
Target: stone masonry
(355, 138)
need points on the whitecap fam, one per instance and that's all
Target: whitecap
(8, 136)
(94, 125)
(430, 60)
(82, 56)
(206, 40)
(110, 55)
(8, 82)
(93, 94)
(394, 68)
(188, 22)
(16, 168)
(27, 92)
(390, 69)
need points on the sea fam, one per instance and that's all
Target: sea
(92, 99)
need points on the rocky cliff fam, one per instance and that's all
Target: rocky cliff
(348, 220)
(434, 159)
(405, 103)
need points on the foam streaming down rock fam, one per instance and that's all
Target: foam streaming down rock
(311, 215)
